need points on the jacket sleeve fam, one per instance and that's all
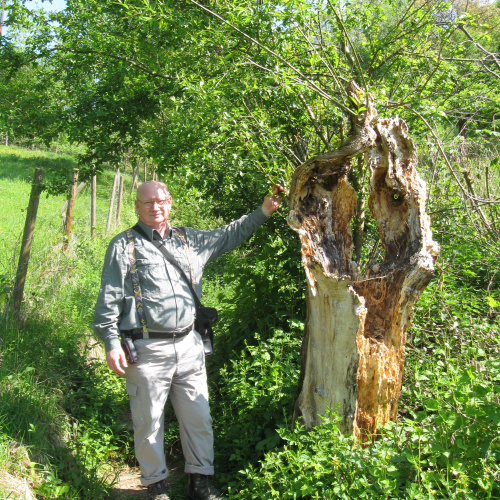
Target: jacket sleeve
(111, 297)
(211, 244)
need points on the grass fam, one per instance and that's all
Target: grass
(52, 378)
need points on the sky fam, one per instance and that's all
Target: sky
(56, 5)
(48, 5)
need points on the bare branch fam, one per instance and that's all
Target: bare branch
(466, 193)
(479, 46)
(314, 121)
(306, 80)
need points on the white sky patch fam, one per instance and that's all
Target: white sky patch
(53, 6)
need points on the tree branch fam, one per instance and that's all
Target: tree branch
(485, 223)
(281, 59)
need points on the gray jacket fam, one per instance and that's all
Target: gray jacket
(168, 302)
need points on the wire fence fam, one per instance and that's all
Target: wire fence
(48, 261)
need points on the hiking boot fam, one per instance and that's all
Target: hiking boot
(199, 488)
(159, 491)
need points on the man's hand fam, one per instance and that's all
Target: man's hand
(272, 203)
(116, 360)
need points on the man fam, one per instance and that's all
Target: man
(172, 360)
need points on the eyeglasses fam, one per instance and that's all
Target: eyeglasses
(150, 204)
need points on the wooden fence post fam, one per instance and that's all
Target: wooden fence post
(119, 203)
(24, 256)
(64, 208)
(71, 204)
(93, 211)
(136, 175)
(112, 200)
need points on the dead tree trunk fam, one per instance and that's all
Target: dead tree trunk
(354, 347)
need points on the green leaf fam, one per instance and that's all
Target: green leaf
(431, 404)
(492, 302)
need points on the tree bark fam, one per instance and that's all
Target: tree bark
(354, 344)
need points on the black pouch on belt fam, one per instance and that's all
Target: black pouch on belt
(205, 318)
(129, 350)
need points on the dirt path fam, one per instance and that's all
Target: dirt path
(129, 487)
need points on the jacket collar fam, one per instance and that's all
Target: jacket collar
(152, 232)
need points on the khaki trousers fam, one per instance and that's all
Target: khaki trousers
(175, 368)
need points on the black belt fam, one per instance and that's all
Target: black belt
(177, 334)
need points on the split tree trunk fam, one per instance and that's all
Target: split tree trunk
(354, 346)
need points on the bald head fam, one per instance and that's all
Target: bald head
(150, 186)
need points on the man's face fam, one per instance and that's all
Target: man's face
(153, 206)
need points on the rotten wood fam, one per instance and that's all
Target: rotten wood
(354, 345)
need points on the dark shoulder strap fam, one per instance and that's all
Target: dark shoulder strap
(182, 235)
(138, 229)
(135, 282)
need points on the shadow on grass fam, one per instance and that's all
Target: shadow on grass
(22, 166)
(63, 406)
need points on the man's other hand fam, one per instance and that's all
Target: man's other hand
(272, 203)
(116, 361)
